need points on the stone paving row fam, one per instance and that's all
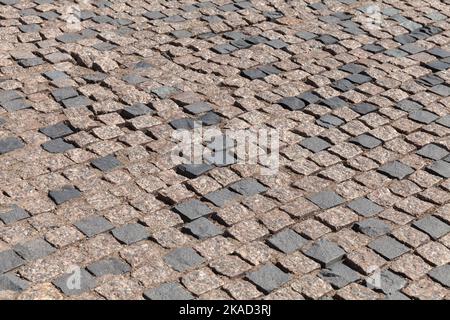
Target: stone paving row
(91, 94)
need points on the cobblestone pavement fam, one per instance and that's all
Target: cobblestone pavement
(92, 207)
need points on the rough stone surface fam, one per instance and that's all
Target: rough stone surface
(372, 227)
(268, 277)
(93, 225)
(248, 187)
(106, 163)
(13, 214)
(287, 241)
(432, 226)
(11, 282)
(326, 199)
(441, 274)
(10, 144)
(76, 283)
(183, 259)
(143, 132)
(325, 252)
(65, 194)
(34, 249)
(203, 228)
(108, 266)
(193, 209)
(365, 207)
(9, 260)
(339, 275)
(388, 247)
(168, 291)
(396, 169)
(130, 233)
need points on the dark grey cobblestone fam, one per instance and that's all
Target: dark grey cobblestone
(434, 227)
(193, 209)
(365, 207)
(13, 214)
(202, 228)
(57, 146)
(93, 225)
(130, 233)
(34, 249)
(440, 168)
(441, 274)
(287, 241)
(396, 169)
(248, 187)
(10, 144)
(339, 275)
(183, 259)
(325, 252)
(64, 194)
(108, 266)
(106, 163)
(268, 277)
(390, 283)
(9, 260)
(372, 227)
(326, 199)
(11, 282)
(168, 291)
(388, 247)
(86, 283)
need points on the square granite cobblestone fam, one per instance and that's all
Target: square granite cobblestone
(13, 214)
(168, 291)
(65, 283)
(287, 241)
(64, 194)
(365, 207)
(58, 130)
(193, 209)
(432, 226)
(396, 169)
(203, 228)
(325, 252)
(131, 233)
(441, 274)
(9, 260)
(268, 277)
(108, 266)
(128, 153)
(34, 249)
(183, 259)
(372, 227)
(339, 275)
(11, 282)
(248, 187)
(326, 199)
(93, 225)
(106, 163)
(433, 151)
(388, 247)
(10, 144)
(440, 168)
